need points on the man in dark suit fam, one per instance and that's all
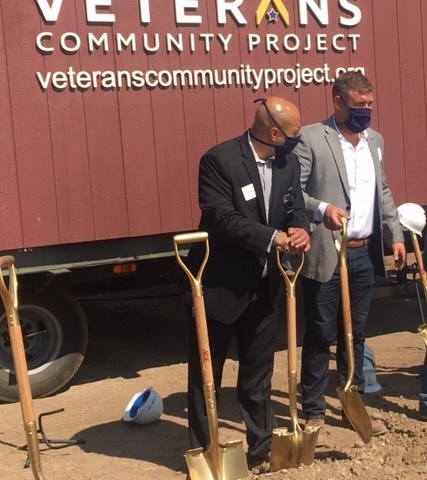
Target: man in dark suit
(251, 201)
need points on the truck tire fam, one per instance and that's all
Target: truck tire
(55, 334)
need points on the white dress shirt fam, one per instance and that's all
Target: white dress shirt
(361, 180)
(265, 169)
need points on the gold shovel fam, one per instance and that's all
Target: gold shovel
(422, 329)
(290, 449)
(349, 397)
(10, 300)
(218, 462)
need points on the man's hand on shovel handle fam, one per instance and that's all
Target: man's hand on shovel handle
(332, 217)
(295, 241)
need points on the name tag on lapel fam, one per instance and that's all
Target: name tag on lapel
(249, 192)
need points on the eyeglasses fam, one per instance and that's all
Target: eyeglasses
(288, 201)
(264, 102)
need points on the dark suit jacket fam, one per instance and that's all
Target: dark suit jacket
(239, 233)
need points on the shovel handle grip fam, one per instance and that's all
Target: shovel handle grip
(9, 294)
(186, 238)
(191, 237)
(6, 261)
(341, 247)
(290, 282)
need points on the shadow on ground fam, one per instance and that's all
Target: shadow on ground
(132, 334)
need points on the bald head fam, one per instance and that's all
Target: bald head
(275, 119)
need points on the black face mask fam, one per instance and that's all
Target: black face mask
(287, 147)
(358, 119)
(290, 142)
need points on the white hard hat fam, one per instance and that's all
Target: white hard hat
(412, 217)
(145, 407)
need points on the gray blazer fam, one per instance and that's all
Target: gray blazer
(324, 179)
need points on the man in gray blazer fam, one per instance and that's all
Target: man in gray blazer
(342, 175)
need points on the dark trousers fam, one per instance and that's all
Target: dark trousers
(256, 333)
(423, 391)
(324, 325)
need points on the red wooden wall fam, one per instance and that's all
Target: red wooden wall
(78, 166)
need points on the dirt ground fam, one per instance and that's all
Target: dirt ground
(137, 343)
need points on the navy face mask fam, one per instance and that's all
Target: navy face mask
(358, 119)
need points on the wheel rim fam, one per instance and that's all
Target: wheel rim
(42, 335)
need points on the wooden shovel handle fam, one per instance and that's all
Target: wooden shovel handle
(21, 372)
(345, 300)
(9, 297)
(203, 339)
(419, 259)
(290, 309)
(345, 295)
(291, 326)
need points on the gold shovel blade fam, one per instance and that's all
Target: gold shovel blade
(356, 412)
(422, 329)
(291, 449)
(230, 464)
(199, 465)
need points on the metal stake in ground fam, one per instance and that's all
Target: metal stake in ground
(291, 449)
(423, 275)
(348, 395)
(413, 218)
(9, 296)
(218, 462)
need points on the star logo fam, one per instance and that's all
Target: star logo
(278, 10)
(272, 15)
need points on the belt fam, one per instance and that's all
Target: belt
(358, 242)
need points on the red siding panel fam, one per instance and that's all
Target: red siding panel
(169, 135)
(137, 136)
(199, 120)
(104, 144)
(313, 98)
(413, 99)
(283, 59)
(69, 142)
(229, 110)
(365, 55)
(31, 125)
(10, 210)
(100, 164)
(388, 101)
(253, 58)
